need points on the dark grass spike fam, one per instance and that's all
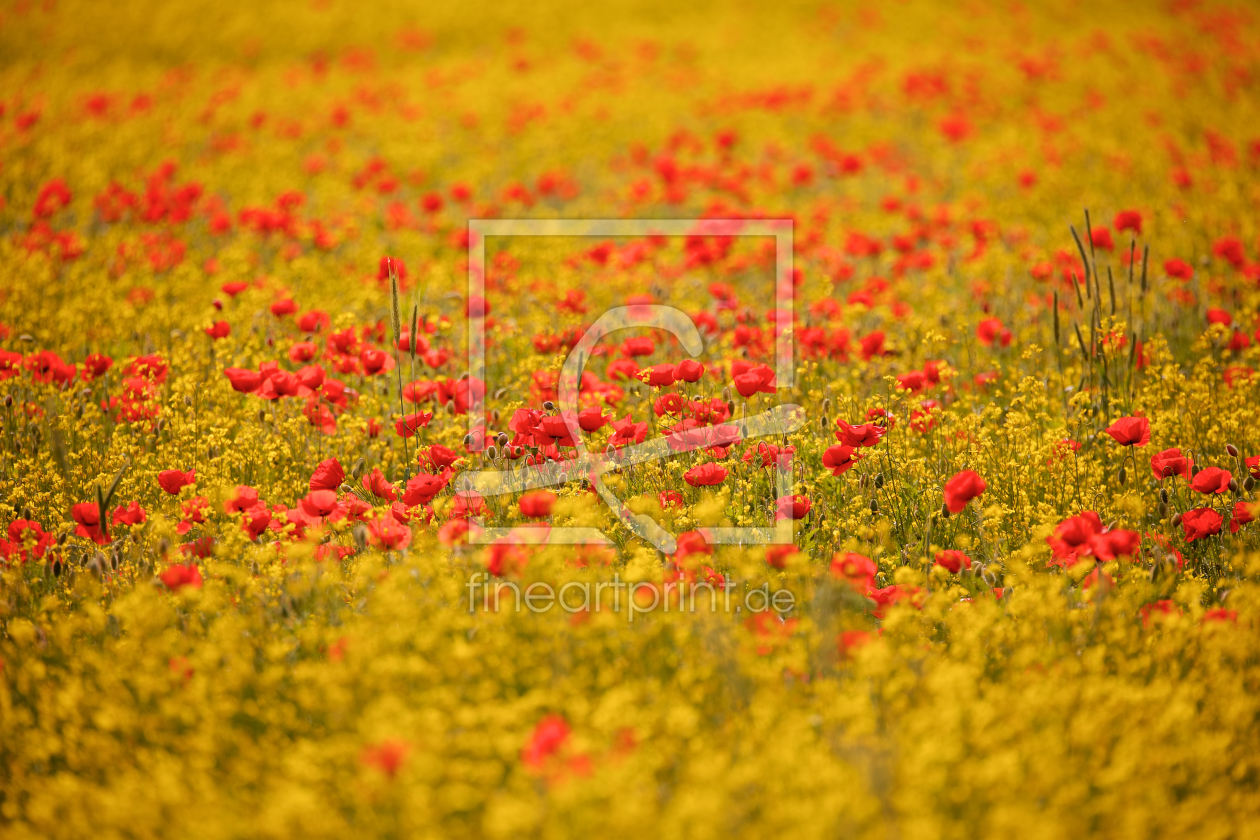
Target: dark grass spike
(1111, 289)
(1084, 260)
(1076, 285)
(1146, 250)
(1056, 318)
(396, 323)
(1081, 342)
(1089, 231)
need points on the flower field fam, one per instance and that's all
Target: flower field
(954, 500)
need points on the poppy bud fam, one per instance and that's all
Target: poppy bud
(1249, 483)
(549, 405)
(360, 536)
(827, 404)
(345, 488)
(1233, 485)
(1163, 509)
(879, 480)
(8, 401)
(730, 406)
(823, 422)
(163, 546)
(358, 468)
(726, 395)
(1163, 496)
(467, 440)
(56, 568)
(491, 453)
(1194, 470)
(944, 511)
(450, 406)
(65, 535)
(502, 439)
(1122, 476)
(187, 401)
(499, 394)
(1231, 450)
(1176, 520)
(494, 417)
(262, 415)
(874, 506)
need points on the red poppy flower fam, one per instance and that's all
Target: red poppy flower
(172, 481)
(1128, 220)
(705, 475)
(178, 575)
(1179, 269)
(1170, 462)
(658, 376)
(219, 329)
(859, 570)
(961, 489)
(379, 486)
(1200, 523)
(690, 370)
(952, 561)
(421, 489)
(867, 434)
(626, 431)
(545, 741)
(991, 330)
(388, 534)
(792, 507)
(839, 459)
(1131, 431)
(328, 475)
(1211, 480)
(757, 380)
(1244, 512)
(536, 504)
(244, 381)
(129, 514)
(852, 640)
(406, 426)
